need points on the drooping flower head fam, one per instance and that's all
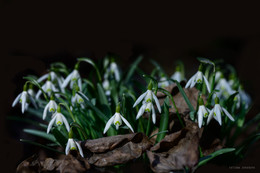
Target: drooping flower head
(203, 112)
(73, 77)
(116, 119)
(59, 119)
(48, 88)
(147, 106)
(178, 76)
(198, 78)
(217, 112)
(73, 145)
(51, 107)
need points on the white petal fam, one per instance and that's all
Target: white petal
(200, 117)
(80, 84)
(51, 123)
(60, 85)
(67, 147)
(38, 94)
(207, 83)
(43, 78)
(65, 122)
(127, 123)
(218, 114)
(83, 95)
(16, 100)
(153, 115)
(228, 114)
(157, 102)
(23, 97)
(45, 111)
(80, 149)
(117, 76)
(190, 81)
(210, 116)
(33, 101)
(141, 111)
(66, 81)
(140, 99)
(110, 121)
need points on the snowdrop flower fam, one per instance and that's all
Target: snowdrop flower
(218, 75)
(117, 120)
(163, 82)
(51, 107)
(217, 111)
(244, 97)
(224, 87)
(24, 98)
(112, 70)
(106, 87)
(203, 112)
(147, 98)
(178, 75)
(48, 87)
(53, 76)
(73, 145)
(59, 119)
(147, 107)
(198, 78)
(73, 77)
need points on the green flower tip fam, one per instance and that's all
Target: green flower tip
(25, 87)
(52, 97)
(150, 86)
(201, 102)
(178, 68)
(216, 100)
(70, 133)
(118, 108)
(76, 66)
(200, 67)
(31, 86)
(49, 78)
(58, 109)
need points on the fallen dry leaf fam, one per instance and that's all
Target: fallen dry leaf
(115, 150)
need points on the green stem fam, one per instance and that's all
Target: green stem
(68, 109)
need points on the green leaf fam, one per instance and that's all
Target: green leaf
(22, 119)
(40, 134)
(40, 145)
(164, 120)
(206, 159)
(132, 68)
(100, 114)
(102, 95)
(230, 101)
(62, 140)
(159, 68)
(93, 64)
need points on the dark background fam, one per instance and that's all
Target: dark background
(35, 34)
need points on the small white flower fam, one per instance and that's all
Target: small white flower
(178, 76)
(106, 87)
(114, 70)
(51, 107)
(163, 82)
(117, 120)
(53, 76)
(31, 92)
(73, 77)
(217, 111)
(218, 75)
(78, 99)
(202, 112)
(147, 107)
(197, 78)
(245, 98)
(22, 98)
(148, 96)
(48, 87)
(73, 145)
(59, 119)
(224, 87)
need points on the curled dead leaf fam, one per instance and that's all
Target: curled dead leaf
(115, 150)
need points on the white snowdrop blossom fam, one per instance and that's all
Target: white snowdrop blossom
(22, 98)
(51, 107)
(48, 87)
(224, 88)
(197, 78)
(218, 75)
(112, 70)
(73, 145)
(178, 76)
(59, 119)
(53, 77)
(78, 99)
(106, 87)
(163, 82)
(203, 112)
(73, 77)
(116, 119)
(244, 97)
(217, 112)
(31, 92)
(149, 108)
(147, 98)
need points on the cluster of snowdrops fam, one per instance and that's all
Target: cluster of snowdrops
(106, 98)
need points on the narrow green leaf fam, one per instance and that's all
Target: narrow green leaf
(40, 145)
(93, 64)
(22, 119)
(164, 120)
(102, 95)
(206, 159)
(160, 69)
(133, 68)
(40, 134)
(62, 140)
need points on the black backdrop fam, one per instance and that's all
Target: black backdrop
(35, 34)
